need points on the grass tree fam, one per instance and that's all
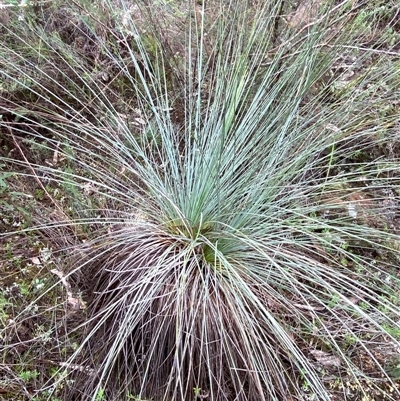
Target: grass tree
(231, 177)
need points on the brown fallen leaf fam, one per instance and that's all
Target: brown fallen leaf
(305, 13)
(310, 307)
(325, 359)
(74, 302)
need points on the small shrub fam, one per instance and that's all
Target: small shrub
(232, 239)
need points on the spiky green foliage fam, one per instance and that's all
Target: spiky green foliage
(226, 172)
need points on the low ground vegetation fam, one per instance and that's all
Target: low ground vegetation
(199, 200)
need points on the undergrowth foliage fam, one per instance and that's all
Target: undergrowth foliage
(228, 170)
